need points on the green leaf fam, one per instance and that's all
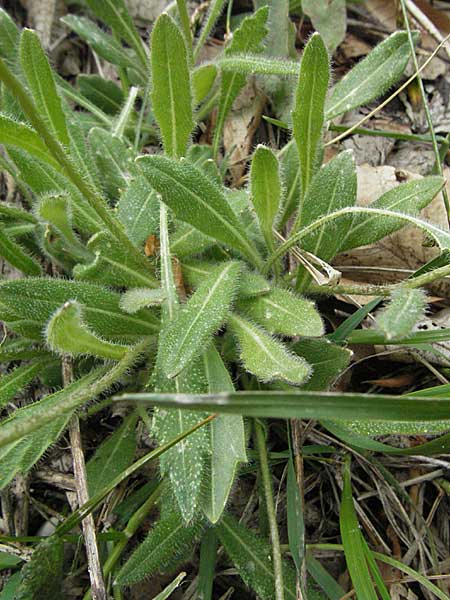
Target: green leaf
(247, 38)
(9, 36)
(113, 456)
(102, 43)
(194, 198)
(333, 187)
(188, 241)
(254, 64)
(328, 361)
(204, 313)
(43, 179)
(405, 309)
(10, 211)
(265, 189)
(114, 266)
(168, 543)
(308, 115)
(168, 590)
(214, 10)
(138, 210)
(114, 161)
(409, 198)
(352, 541)
(203, 79)
(39, 75)
(115, 14)
(387, 222)
(281, 312)
(371, 77)
(251, 556)
(17, 257)
(104, 93)
(228, 442)
(250, 284)
(290, 168)
(43, 574)
(264, 356)
(11, 383)
(13, 133)
(66, 333)
(171, 95)
(37, 299)
(329, 18)
(295, 520)
(137, 298)
(308, 405)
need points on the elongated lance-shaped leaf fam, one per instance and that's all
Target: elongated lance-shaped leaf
(137, 298)
(250, 284)
(113, 456)
(389, 221)
(196, 323)
(42, 84)
(228, 443)
(328, 361)
(308, 115)
(17, 257)
(353, 544)
(169, 542)
(66, 333)
(168, 590)
(24, 451)
(36, 299)
(248, 38)
(290, 169)
(114, 266)
(265, 190)
(265, 357)
(254, 64)
(405, 309)
(13, 133)
(102, 93)
(371, 77)
(251, 556)
(115, 14)
(184, 462)
(196, 199)
(138, 210)
(333, 187)
(409, 198)
(103, 44)
(13, 382)
(282, 312)
(9, 36)
(171, 95)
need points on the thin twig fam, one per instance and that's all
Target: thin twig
(425, 104)
(426, 23)
(388, 100)
(79, 472)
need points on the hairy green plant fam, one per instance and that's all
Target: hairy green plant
(164, 284)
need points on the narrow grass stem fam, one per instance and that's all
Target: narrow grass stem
(425, 104)
(271, 514)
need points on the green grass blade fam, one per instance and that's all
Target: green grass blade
(308, 405)
(353, 544)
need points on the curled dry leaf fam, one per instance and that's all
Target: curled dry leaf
(402, 250)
